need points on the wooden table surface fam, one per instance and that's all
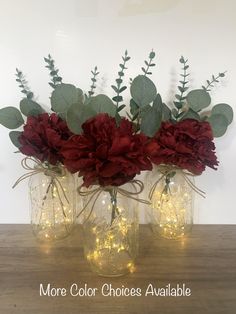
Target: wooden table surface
(205, 262)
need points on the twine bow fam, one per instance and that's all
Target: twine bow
(166, 170)
(94, 194)
(54, 172)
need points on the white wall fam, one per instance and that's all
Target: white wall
(83, 33)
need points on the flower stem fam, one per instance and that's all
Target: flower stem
(113, 195)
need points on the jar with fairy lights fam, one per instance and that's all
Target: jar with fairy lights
(52, 201)
(111, 229)
(172, 201)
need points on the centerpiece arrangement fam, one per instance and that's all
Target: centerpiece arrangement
(108, 144)
(51, 186)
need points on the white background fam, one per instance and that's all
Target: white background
(84, 33)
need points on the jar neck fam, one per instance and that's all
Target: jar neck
(48, 169)
(168, 169)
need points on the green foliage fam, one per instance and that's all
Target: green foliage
(133, 107)
(118, 88)
(225, 110)
(30, 108)
(149, 63)
(219, 124)
(198, 99)
(162, 108)
(94, 80)
(151, 121)
(63, 96)
(143, 90)
(190, 114)
(174, 113)
(76, 115)
(147, 109)
(23, 84)
(14, 137)
(11, 118)
(220, 118)
(183, 85)
(53, 72)
(102, 104)
(211, 84)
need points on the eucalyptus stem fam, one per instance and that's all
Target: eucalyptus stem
(23, 84)
(94, 80)
(53, 72)
(180, 98)
(213, 80)
(149, 63)
(118, 88)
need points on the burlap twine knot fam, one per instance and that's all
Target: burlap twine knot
(54, 172)
(166, 170)
(94, 194)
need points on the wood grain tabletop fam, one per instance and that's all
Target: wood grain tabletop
(205, 262)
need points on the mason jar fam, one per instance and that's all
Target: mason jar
(52, 203)
(111, 230)
(171, 195)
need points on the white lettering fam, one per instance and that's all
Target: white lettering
(51, 291)
(77, 291)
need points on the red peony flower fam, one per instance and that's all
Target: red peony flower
(43, 137)
(187, 144)
(106, 154)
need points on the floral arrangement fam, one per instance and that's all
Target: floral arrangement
(108, 143)
(87, 133)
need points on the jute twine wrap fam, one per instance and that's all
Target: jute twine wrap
(94, 194)
(54, 172)
(165, 170)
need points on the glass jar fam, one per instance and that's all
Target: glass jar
(172, 200)
(111, 231)
(52, 199)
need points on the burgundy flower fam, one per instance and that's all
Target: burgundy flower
(43, 137)
(187, 144)
(106, 154)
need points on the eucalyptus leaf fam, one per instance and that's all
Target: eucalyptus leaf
(143, 90)
(117, 99)
(11, 118)
(30, 108)
(191, 114)
(14, 136)
(150, 122)
(62, 115)
(157, 103)
(166, 112)
(121, 108)
(118, 119)
(162, 108)
(122, 89)
(225, 110)
(133, 107)
(174, 112)
(143, 110)
(219, 124)
(152, 55)
(179, 104)
(65, 95)
(77, 115)
(115, 88)
(198, 99)
(102, 104)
